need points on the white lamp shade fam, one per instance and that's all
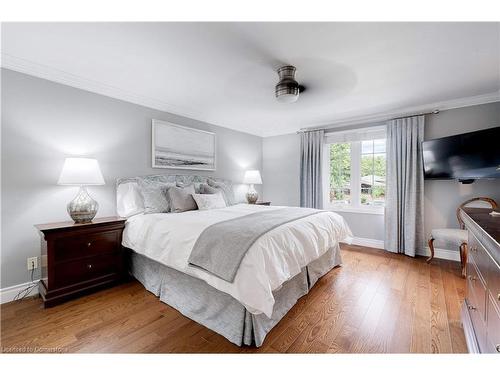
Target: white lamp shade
(252, 177)
(81, 171)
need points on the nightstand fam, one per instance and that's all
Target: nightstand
(261, 203)
(80, 258)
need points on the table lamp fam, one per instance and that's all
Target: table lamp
(81, 172)
(252, 177)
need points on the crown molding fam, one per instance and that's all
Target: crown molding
(55, 75)
(384, 116)
(59, 76)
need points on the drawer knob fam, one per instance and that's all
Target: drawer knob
(89, 266)
(498, 348)
(88, 244)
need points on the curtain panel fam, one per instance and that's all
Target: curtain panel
(404, 205)
(311, 154)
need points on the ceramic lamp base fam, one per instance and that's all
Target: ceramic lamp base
(82, 208)
(252, 195)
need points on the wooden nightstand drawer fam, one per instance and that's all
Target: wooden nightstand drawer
(75, 247)
(82, 270)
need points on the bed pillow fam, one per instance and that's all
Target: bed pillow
(226, 188)
(154, 196)
(209, 201)
(129, 200)
(206, 189)
(180, 199)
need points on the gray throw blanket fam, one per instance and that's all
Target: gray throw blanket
(222, 246)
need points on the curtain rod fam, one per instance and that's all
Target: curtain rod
(305, 130)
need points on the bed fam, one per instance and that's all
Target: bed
(278, 268)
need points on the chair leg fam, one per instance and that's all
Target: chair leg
(431, 246)
(463, 258)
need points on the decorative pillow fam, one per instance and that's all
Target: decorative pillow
(197, 186)
(226, 188)
(209, 201)
(181, 199)
(154, 196)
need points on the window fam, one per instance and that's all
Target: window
(355, 170)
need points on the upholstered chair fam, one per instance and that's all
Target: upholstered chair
(457, 237)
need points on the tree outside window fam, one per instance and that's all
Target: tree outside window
(357, 173)
(340, 173)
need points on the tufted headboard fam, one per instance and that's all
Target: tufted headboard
(174, 178)
(129, 200)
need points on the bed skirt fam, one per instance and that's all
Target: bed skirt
(217, 310)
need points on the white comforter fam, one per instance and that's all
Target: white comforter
(273, 259)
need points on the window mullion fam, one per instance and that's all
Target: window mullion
(356, 173)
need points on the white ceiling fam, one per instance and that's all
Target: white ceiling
(224, 73)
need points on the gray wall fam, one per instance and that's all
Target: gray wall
(44, 122)
(281, 158)
(281, 169)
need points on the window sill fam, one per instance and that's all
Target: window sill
(358, 210)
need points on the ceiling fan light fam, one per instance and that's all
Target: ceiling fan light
(287, 97)
(287, 89)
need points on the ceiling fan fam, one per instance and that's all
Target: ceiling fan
(287, 90)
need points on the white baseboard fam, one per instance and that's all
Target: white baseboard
(441, 253)
(8, 294)
(368, 242)
(378, 244)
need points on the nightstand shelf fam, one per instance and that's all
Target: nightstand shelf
(80, 258)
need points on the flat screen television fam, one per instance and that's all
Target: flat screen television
(467, 156)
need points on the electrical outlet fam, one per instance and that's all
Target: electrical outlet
(32, 263)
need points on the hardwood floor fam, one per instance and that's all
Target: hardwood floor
(377, 302)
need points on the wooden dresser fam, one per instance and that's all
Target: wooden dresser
(79, 258)
(481, 309)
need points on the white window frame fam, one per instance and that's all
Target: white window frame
(355, 138)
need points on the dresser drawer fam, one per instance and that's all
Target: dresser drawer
(75, 247)
(477, 322)
(476, 297)
(86, 269)
(493, 334)
(480, 256)
(477, 288)
(494, 282)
